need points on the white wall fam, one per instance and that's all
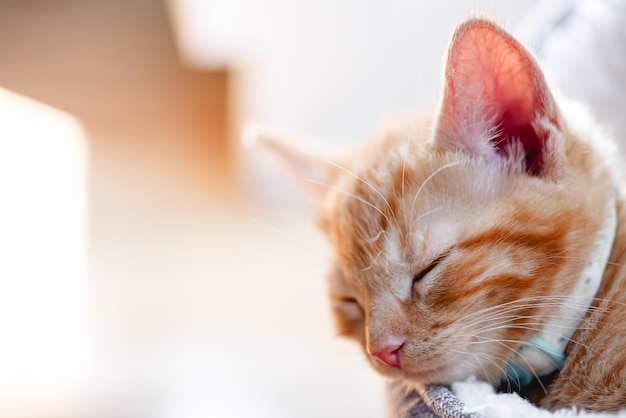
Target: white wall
(328, 68)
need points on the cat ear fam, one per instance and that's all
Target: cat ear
(496, 103)
(308, 161)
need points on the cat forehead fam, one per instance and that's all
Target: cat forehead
(386, 250)
(403, 190)
(402, 205)
(383, 269)
(407, 156)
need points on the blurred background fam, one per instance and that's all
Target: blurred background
(149, 265)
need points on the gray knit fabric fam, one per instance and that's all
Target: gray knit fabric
(433, 401)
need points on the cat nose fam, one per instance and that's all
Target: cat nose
(389, 354)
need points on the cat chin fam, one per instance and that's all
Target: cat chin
(444, 373)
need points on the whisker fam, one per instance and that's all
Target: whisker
(514, 304)
(362, 180)
(371, 266)
(510, 319)
(505, 315)
(375, 237)
(484, 356)
(275, 229)
(423, 215)
(534, 302)
(352, 195)
(573, 257)
(406, 153)
(284, 233)
(503, 342)
(530, 328)
(429, 178)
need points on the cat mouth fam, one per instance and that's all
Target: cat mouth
(437, 370)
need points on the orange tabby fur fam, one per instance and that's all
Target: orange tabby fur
(492, 224)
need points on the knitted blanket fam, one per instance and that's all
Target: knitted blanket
(472, 399)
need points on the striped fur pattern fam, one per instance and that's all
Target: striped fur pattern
(457, 235)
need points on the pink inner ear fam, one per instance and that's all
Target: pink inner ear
(532, 144)
(488, 69)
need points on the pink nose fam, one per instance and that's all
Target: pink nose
(389, 354)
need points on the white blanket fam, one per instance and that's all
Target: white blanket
(480, 397)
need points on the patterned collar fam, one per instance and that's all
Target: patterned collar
(544, 352)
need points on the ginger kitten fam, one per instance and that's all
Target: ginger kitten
(477, 241)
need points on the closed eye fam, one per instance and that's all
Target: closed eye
(427, 270)
(349, 317)
(419, 276)
(346, 300)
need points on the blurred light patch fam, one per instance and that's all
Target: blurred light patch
(44, 321)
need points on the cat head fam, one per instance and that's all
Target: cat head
(454, 234)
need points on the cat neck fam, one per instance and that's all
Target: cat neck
(544, 352)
